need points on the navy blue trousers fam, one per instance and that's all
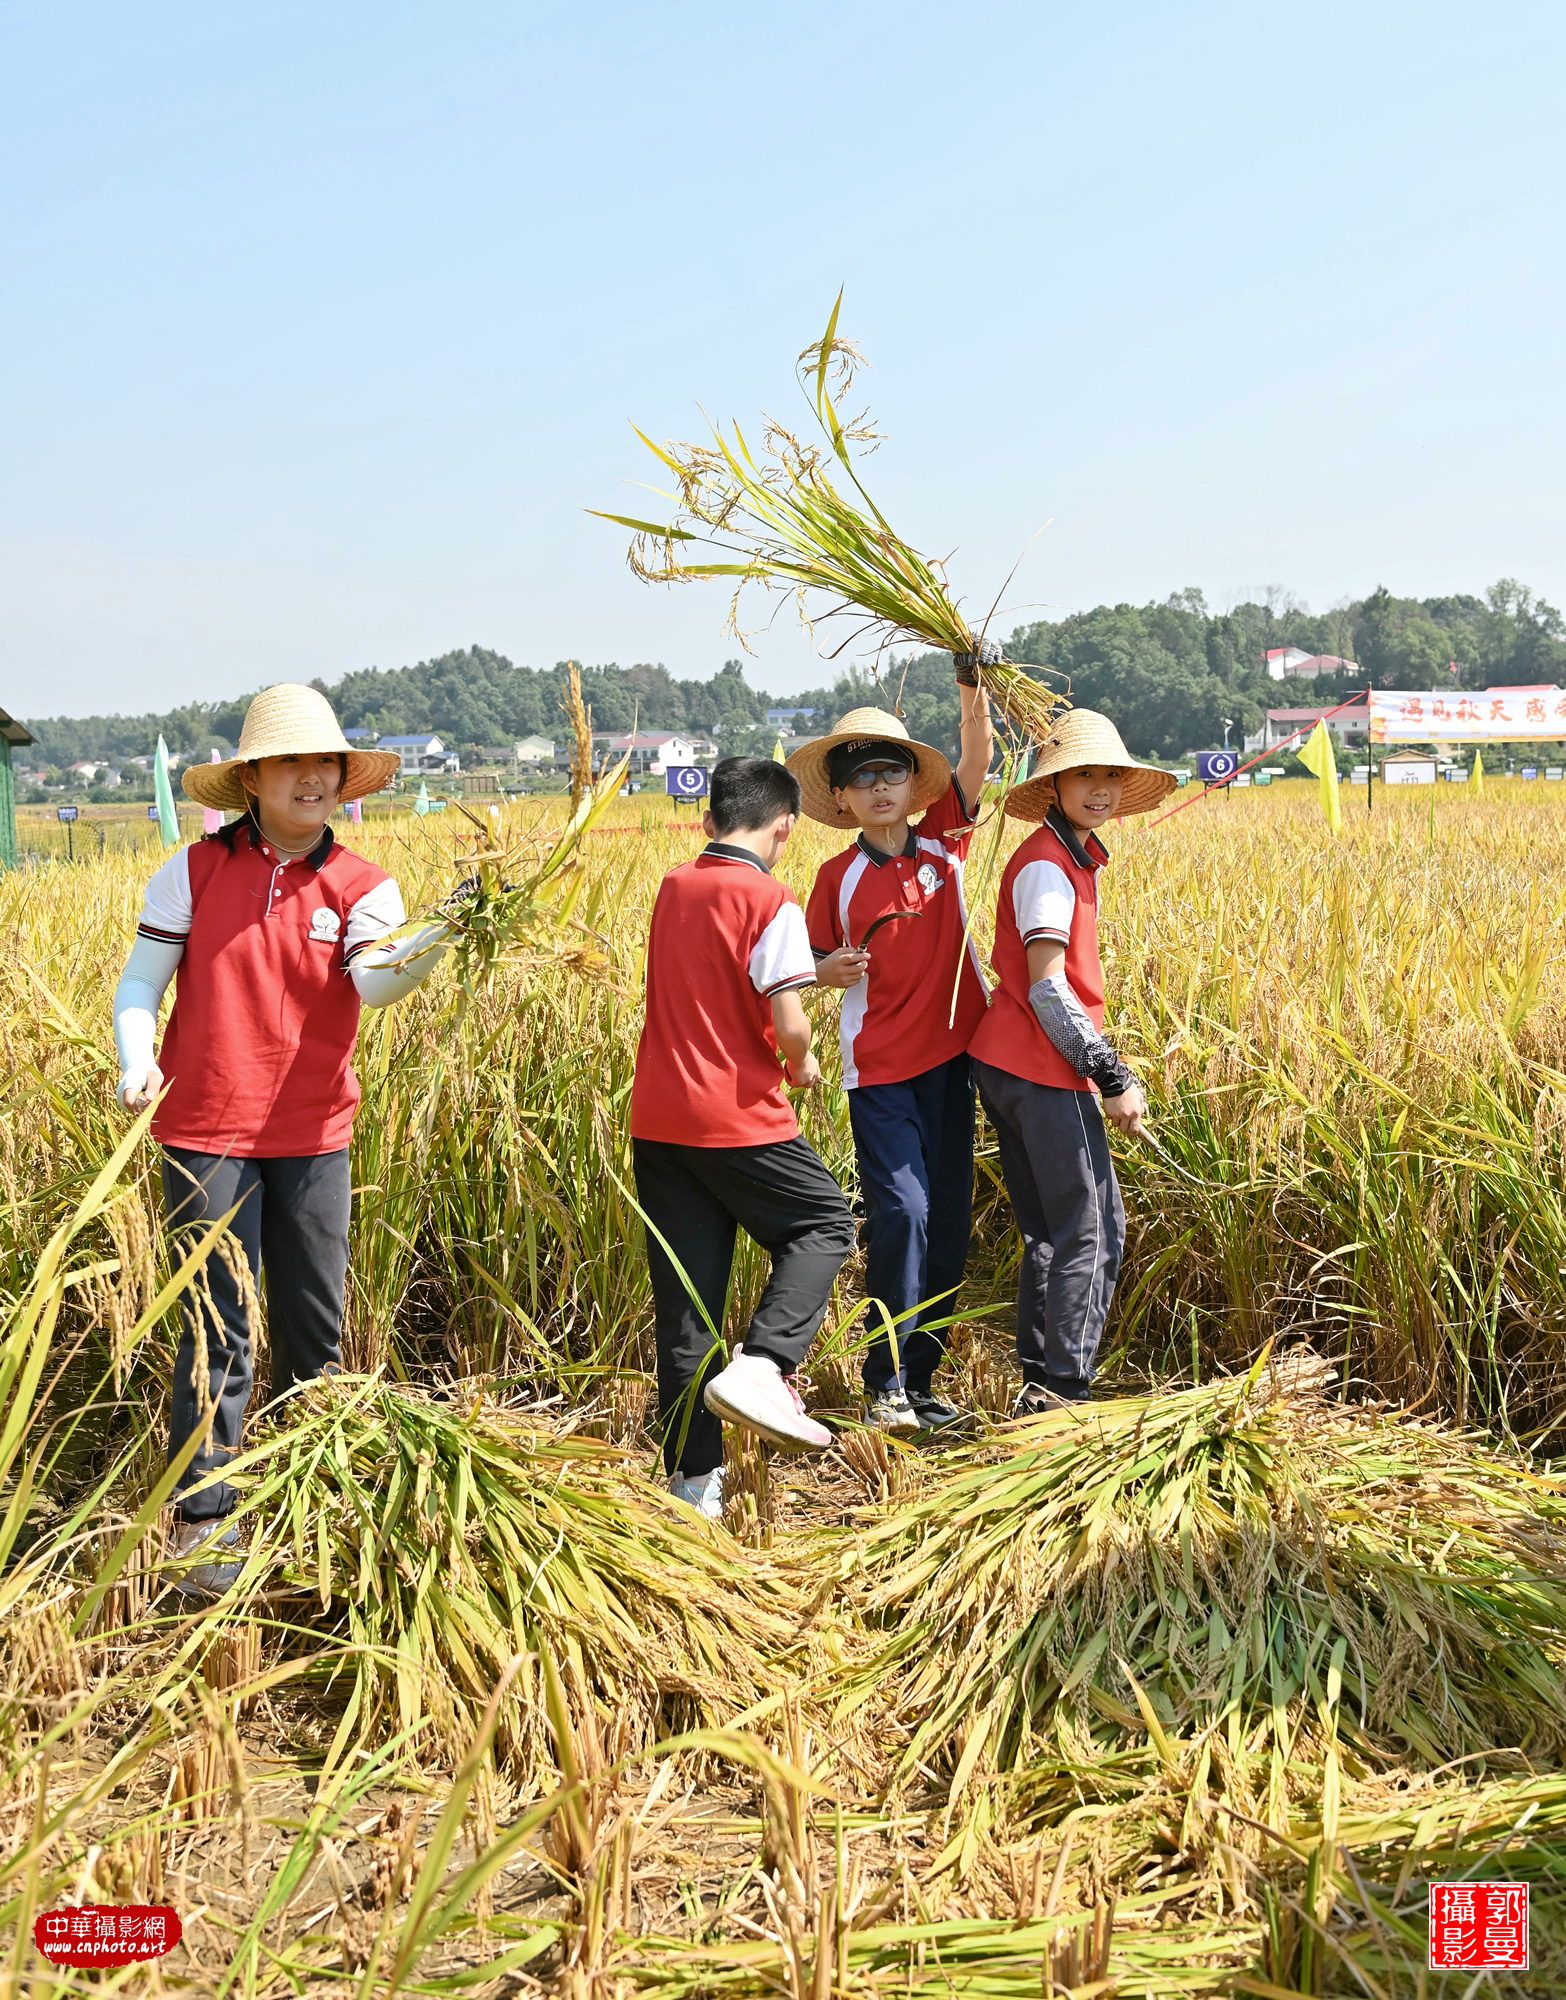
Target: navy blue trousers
(914, 1141)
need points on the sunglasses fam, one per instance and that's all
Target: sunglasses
(873, 774)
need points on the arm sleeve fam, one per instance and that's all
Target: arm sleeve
(1043, 902)
(138, 996)
(1064, 1019)
(386, 973)
(375, 915)
(781, 957)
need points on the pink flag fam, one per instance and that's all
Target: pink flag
(355, 812)
(211, 818)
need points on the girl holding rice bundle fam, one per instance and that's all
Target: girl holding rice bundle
(273, 934)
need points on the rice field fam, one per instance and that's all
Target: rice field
(1192, 1692)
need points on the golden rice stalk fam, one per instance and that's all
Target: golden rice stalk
(580, 718)
(778, 520)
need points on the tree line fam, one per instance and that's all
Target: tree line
(1169, 674)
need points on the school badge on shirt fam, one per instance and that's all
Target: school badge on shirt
(929, 879)
(324, 926)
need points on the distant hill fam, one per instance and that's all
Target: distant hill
(1168, 673)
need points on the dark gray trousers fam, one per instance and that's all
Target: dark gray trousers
(696, 1197)
(1054, 1153)
(293, 1224)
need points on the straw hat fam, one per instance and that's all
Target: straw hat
(931, 776)
(287, 721)
(1081, 736)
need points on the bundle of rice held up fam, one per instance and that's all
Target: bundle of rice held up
(449, 1536)
(1234, 1587)
(777, 520)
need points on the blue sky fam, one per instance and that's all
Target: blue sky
(323, 324)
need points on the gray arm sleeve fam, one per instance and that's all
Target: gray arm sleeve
(1064, 1019)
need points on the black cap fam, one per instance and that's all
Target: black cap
(844, 759)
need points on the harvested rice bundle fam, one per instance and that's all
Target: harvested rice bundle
(778, 521)
(1274, 1576)
(453, 1537)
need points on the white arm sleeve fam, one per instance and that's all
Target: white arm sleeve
(384, 974)
(376, 914)
(138, 996)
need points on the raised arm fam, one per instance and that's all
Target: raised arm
(978, 745)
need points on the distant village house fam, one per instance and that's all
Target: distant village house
(1287, 663)
(420, 756)
(656, 753)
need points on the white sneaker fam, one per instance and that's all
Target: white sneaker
(754, 1393)
(701, 1490)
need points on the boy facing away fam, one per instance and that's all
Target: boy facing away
(1040, 1054)
(716, 1145)
(914, 997)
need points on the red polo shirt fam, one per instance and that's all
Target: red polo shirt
(257, 1045)
(725, 937)
(898, 1021)
(1049, 890)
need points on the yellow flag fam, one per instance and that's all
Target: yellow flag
(1477, 780)
(777, 752)
(1316, 755)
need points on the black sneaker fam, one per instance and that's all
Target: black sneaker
(934, 1412)
(1037, 1401)
(889, 1409)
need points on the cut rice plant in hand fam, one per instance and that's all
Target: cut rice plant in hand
(1231, 1583)
(495, 918)
(778, 521)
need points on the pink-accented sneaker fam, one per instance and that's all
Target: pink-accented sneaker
(754, 1393)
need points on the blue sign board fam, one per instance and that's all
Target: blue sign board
(1217, 766)
(152, 812)
(67, 812)
(686, 781)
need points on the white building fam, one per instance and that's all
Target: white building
(656, 751)
(1352, 724)
(420, 755)
(1285, 663)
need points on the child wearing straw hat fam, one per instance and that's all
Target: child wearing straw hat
(1040, 1053)
(271, 931)
(888, 924)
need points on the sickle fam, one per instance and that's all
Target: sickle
(890, 918)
